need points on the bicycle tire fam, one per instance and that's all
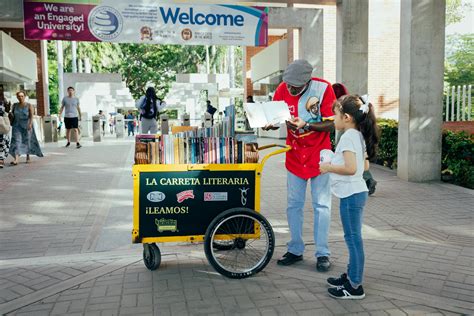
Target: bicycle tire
(237, 224)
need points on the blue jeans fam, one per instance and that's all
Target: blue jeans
(321, 198)
(352, 211)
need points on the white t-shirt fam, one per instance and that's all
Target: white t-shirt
(344, 186)
(70, 106)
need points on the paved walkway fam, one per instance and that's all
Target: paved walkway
(65, 248)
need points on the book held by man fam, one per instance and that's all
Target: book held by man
(272, 112)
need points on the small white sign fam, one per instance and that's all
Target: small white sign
(155, 196)
(215, 196)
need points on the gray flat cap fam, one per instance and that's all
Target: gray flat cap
(298, 73)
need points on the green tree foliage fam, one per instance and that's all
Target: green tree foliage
(455, 10)
(140, 65)
(53, 78)
(459, 63)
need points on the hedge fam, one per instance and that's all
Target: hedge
(457, 161)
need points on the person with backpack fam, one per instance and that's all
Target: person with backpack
(149, 106)
(211, 110)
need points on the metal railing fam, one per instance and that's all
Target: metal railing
(458, 103)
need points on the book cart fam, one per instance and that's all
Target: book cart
(215, 203)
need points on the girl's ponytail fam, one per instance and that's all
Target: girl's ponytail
(369, 129)
(364, 117)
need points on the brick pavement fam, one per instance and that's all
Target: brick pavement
(65, 248)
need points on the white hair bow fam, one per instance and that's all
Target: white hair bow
(365, 103)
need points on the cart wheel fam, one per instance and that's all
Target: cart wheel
(151, 256)
(248, 240)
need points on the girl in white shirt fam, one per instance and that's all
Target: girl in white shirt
(355, 116)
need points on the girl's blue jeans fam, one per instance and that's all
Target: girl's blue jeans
(352, 211)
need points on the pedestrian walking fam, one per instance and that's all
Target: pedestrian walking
(111, 124)
(24, 141)
(130, 123)
(149, 106)
(306, 139)
(72, 115)
(355, 116)
(103, 120)
(4, 138)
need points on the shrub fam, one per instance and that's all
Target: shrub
(457, 160)
(388, 145)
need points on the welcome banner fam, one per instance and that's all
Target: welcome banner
(145, 21)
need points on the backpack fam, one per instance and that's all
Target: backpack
(211, 110)
(150, 114)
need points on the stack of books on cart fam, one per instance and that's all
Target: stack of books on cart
(187, 148)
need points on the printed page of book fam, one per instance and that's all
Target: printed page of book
(272, 112)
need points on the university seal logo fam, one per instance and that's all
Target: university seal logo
(105, 23)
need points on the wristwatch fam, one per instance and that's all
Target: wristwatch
(306, 127)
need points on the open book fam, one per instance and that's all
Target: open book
(261, 114)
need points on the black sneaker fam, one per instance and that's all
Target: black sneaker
(78, 146)
(68, 144)
(337, 282)
(347, 292)
(323, 264)
(371, 184)
(288, 259)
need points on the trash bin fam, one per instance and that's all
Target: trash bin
(54, 125)
(207, 120)
(119, 126)
(48, 129)
(164, 125)
(185, 120)
(85, 125)
(96, 132)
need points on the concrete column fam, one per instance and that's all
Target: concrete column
(422, 27)
(352, 42)
(310, 24)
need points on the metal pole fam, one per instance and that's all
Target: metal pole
(458, 116)
(469, 106)
(453, 94)
(207, 59)
(244, 71)
(463, 102)
(447, 105)
(59, 46)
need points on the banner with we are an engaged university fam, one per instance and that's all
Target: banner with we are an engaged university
(145, 21)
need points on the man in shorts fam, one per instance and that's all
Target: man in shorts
(72, 115)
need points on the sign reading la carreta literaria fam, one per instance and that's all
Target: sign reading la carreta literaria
(184, 203)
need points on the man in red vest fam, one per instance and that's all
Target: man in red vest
(308, 134)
